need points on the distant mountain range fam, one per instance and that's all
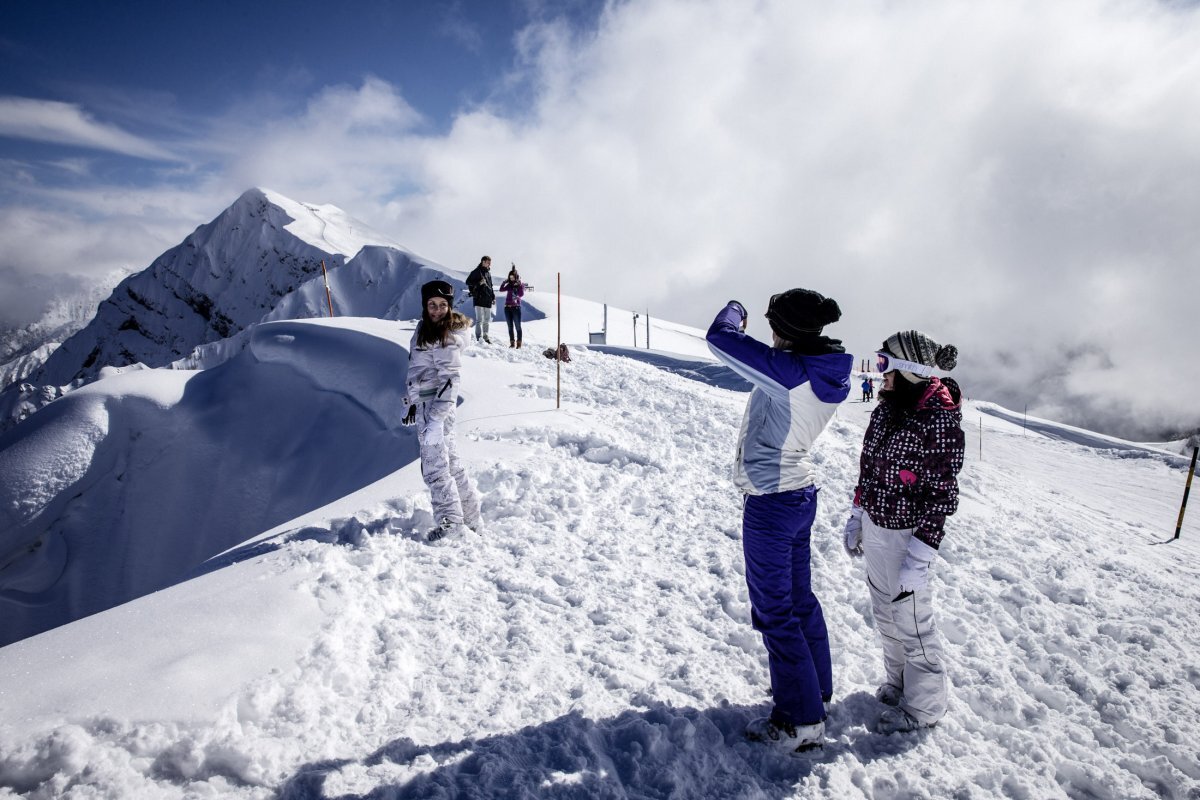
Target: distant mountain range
(24, 348)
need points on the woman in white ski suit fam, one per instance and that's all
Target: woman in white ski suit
(907, 486)
(433, 374)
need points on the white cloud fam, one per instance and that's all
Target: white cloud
(458, 27)
(66, 123)
(965, 168)
(1013, 177)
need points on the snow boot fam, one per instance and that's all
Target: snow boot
(897, 720)
(889, 695)
(445, 530)
(518, 344)
(512, 342)
(791, 739)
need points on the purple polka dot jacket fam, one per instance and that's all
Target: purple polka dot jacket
(908, 471)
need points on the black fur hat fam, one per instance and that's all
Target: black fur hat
(799, 311)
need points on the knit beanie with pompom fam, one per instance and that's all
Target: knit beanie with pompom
(797, 312)
(916, 346)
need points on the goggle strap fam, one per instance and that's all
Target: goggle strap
(886, 363)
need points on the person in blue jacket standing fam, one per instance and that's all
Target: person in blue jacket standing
(799, 380)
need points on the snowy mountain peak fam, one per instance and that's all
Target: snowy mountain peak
(325, 227)
(225, 276)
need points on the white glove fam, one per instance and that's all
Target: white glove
(852, 534)
(914, 572)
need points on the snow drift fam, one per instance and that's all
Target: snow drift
(126, 485)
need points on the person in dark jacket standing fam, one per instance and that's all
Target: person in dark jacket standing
(483, 297)
(514, 289)
(907, 486)
(799, 380)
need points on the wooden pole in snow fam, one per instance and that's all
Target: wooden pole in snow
(328, 294)
(558, 350)
(1186, 489)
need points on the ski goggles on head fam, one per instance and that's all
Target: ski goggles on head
(886, 362)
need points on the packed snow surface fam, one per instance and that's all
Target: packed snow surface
(594, 640)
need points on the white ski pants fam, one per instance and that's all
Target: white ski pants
(912, 649)
(453, 496)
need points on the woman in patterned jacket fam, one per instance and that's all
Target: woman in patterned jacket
(907, 486)
(434, 364)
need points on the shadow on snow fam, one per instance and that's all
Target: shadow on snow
(656, 752)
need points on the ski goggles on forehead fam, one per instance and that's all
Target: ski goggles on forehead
(886, 362)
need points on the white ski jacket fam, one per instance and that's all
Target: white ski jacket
(433, 370)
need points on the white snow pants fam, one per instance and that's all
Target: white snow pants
(912, 649)
(452, 494)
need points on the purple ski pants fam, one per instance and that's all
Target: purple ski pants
(775, 540)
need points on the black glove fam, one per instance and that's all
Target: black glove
(411, 417)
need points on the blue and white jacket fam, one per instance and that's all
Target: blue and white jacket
(794, 398)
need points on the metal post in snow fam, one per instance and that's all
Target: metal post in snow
(635, 319)
(558, 350)
(647, 329)
(981, 437)
(328, 294)
(1025, 420)
(1186, 489)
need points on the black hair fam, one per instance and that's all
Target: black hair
(904, 394)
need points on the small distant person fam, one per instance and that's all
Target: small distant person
(514, 290)
(434, 363)
(799, 380)
(907, 486)
(866, 389)
(483, 297)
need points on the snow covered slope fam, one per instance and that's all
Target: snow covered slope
(595, 640)
(126, 485)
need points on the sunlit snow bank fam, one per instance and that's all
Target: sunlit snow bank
(595, 640)
(126, 485)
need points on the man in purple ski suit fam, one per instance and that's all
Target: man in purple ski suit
(798, 383)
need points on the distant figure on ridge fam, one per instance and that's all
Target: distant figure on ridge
(799, 381)
(433, 373)
(515, 289)
(483, 297)
(907, 486)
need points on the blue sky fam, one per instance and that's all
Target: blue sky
(200, 55)
(155, 70)
(1015, 177)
